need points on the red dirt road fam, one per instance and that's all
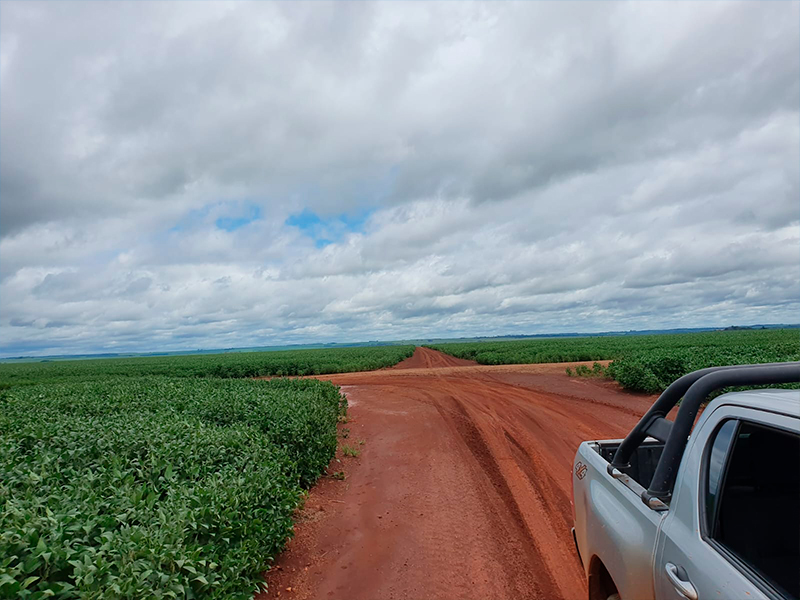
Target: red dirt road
(462, 487)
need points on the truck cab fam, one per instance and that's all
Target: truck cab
(677, 511)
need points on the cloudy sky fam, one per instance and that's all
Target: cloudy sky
(177, 175)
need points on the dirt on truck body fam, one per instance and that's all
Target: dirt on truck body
(462, 486)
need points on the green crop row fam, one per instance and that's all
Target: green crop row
(229, 365)
(156, 487)
(653, 371)
(646, 363)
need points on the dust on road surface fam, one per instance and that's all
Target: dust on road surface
(462, 488)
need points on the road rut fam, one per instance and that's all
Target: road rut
(462, 488)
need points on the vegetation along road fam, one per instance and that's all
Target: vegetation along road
(461, 488)
(178, 476)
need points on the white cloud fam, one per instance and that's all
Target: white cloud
(475, 169)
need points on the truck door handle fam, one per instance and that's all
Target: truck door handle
(681, 582)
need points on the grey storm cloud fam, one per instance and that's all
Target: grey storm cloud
(181, 174)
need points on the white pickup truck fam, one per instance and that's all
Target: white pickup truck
(671, 513)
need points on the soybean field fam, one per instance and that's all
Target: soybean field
(229, 365)
(163, 477)
(155, 486)
(645, 363)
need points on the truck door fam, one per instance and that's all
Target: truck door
(733, 529)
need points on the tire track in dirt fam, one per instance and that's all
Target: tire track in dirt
(540, 502)
(552, 497)
(541, 585)
(462, 489)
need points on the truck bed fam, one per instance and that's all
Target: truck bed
(643, 463)
(610, 514)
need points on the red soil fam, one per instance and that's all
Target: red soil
(462, 488)
(424, 358)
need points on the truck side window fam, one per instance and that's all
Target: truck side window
(756, 514)
(717, 461)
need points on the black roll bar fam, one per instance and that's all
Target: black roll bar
(694, 388)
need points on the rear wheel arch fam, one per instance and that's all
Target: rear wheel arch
(600, 583)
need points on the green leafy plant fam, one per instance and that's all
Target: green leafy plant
(156, 487)
(232, 365)
(644, 363)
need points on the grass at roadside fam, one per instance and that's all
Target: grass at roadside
(596, 370)
(646, 363)
(157, 487)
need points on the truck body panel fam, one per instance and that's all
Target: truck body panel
(625, 530)
(666, 551)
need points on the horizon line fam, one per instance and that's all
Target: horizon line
(399, 342)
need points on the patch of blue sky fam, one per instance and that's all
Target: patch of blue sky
(253, 213)
(192, 219)
(327, 230)
(305, 221)
(233, 215)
